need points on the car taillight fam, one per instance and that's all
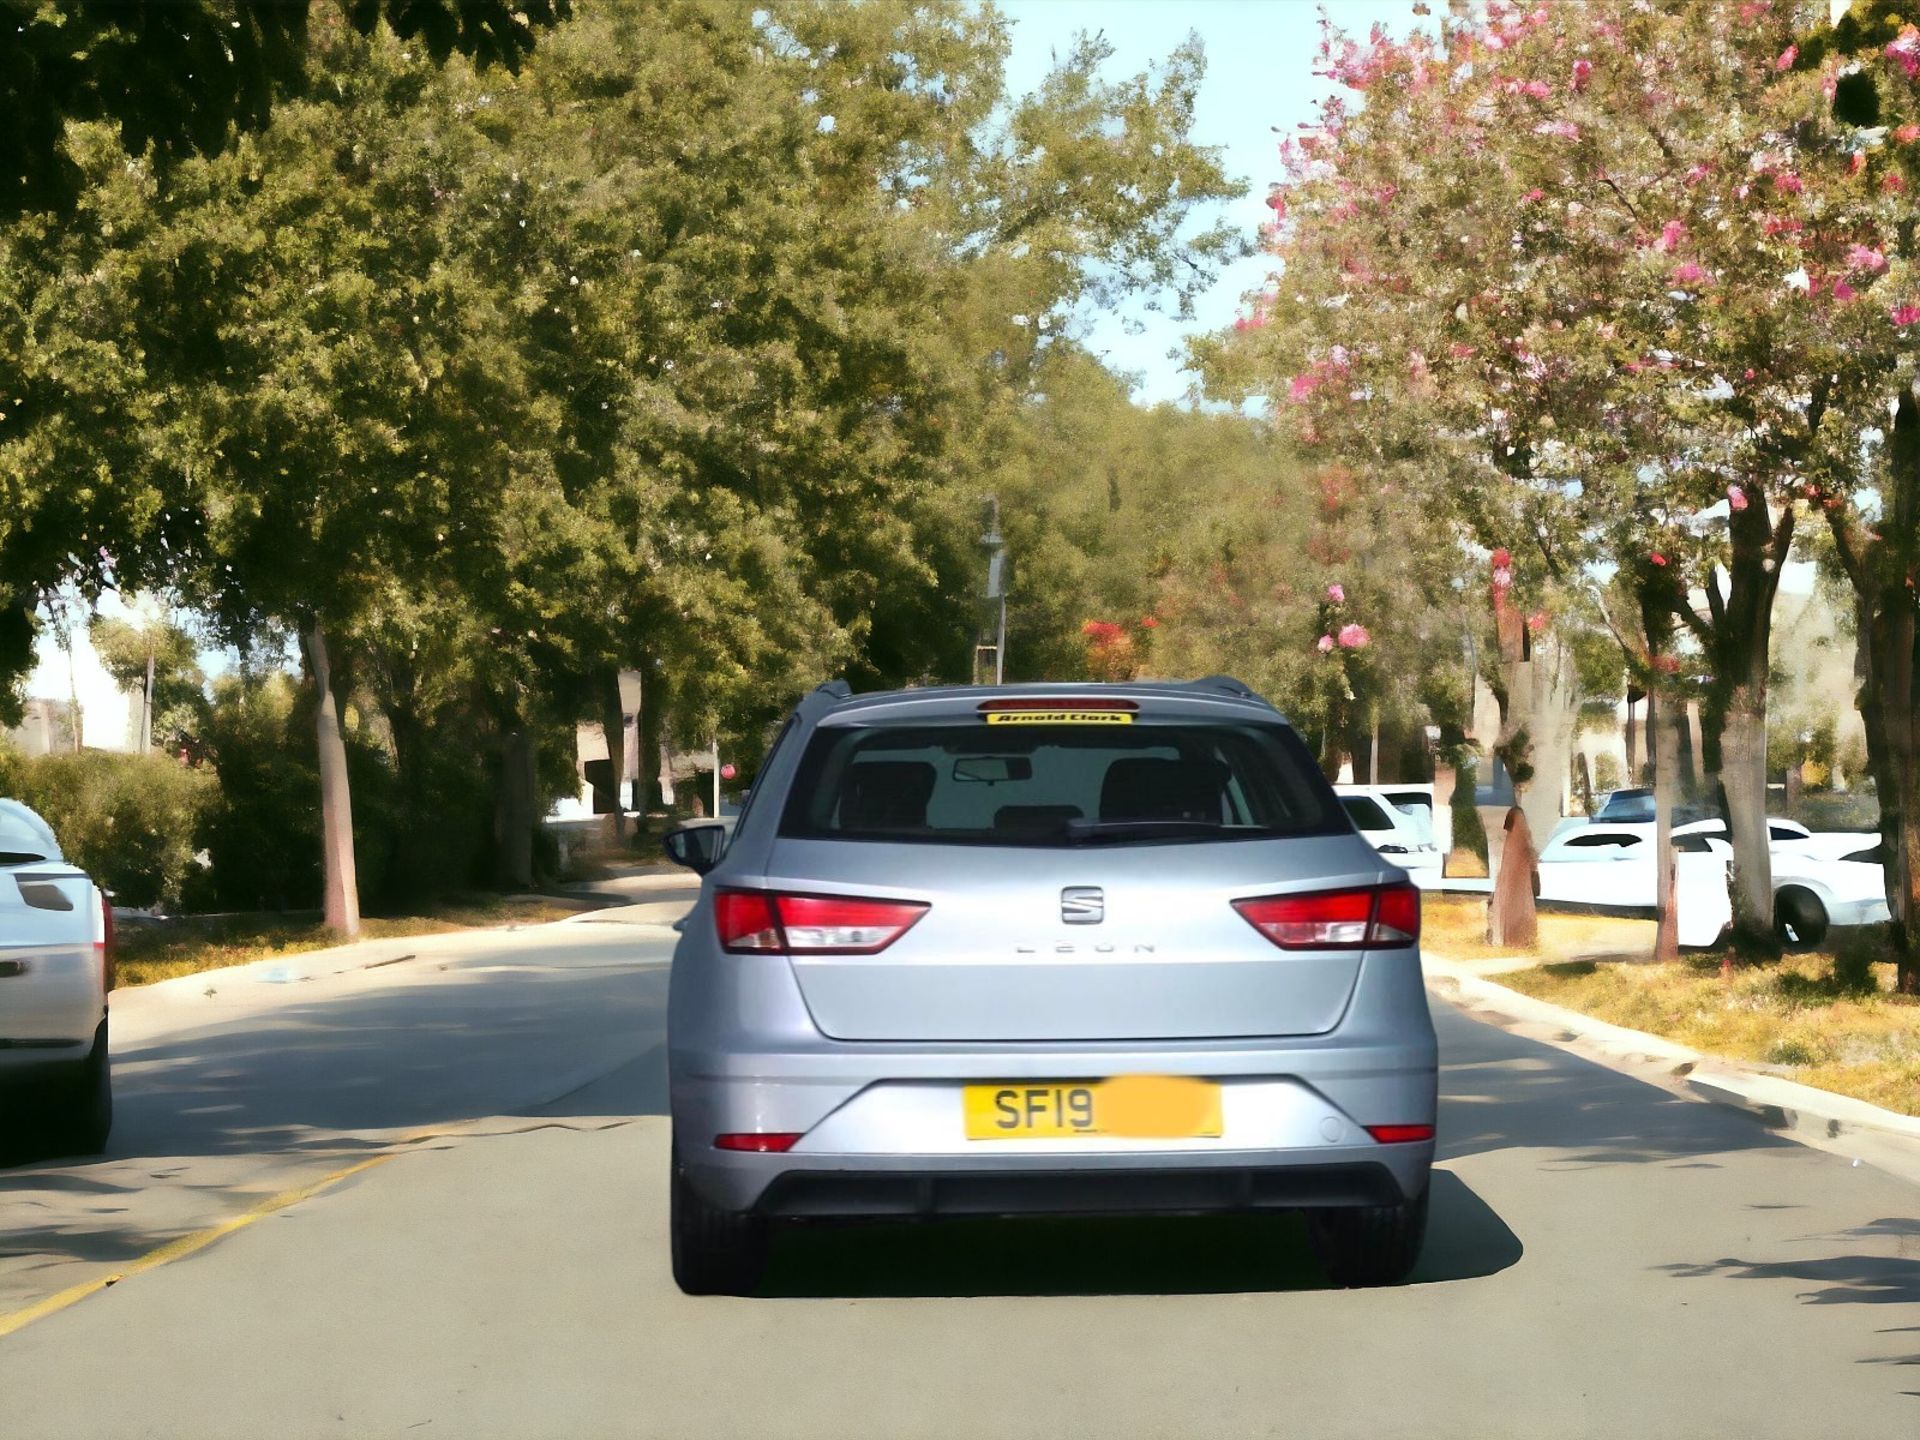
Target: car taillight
(758, 1142)
(1400, 1134)
(1387, 915)
(758, 921)
(746, 921)
(103, 942)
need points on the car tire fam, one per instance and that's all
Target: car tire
(79, 1112)
(1369, 1245)
(1799, 919)
(715, 1251)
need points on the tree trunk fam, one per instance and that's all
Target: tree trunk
(613, 720)
(1536, 731)
(1512, 918)
(1743, 774)
(1740, 643)
(407, 870)
(1884, 566)
(1666, 789)
(648, 795)
(340, 906)
(1632, 738)
(1891, 716)
(73, 699)
(514, 809)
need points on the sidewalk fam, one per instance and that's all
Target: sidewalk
(636, 894)
(1835, 1123)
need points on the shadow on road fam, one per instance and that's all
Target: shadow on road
(305, 1076)
(1500, 1091)
(1844, 1279)
(1146, 1255)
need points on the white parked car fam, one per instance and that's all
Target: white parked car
(1791, 835)
(1613, 866)
(1599, 864)
(1398, 832)
(56, 970)
(1812, 892)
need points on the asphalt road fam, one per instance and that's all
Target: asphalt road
(1606, 1258)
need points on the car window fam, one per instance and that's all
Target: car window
(746, 802)
(1786, 832)
(1693, 844)
(1366, 814)
(1595, 842)
(971, 783)
(1416, 805)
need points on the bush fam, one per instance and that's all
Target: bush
(263, 831)
(1606, 773)
(130, 821)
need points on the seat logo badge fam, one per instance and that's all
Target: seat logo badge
(1083, 905)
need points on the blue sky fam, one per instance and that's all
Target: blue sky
(1259, 75)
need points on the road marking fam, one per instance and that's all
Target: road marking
(184, 1246)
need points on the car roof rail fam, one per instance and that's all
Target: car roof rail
(1225, 684)
(838, 689)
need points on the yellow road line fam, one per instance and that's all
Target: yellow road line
(186, 1245)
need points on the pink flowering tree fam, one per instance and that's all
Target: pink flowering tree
(1606, 282)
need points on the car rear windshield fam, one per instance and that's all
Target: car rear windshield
(1057, 785)
(1627, 805)
(1365, 813)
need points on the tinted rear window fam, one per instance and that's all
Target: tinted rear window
(1042, 785)
(1365, 813)
(1627, 805)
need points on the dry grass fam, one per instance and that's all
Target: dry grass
(1795, 1016)
(188, 946)
(1456, 926)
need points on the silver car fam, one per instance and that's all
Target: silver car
(1042, 950)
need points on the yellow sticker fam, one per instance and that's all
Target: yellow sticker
(1059, 717)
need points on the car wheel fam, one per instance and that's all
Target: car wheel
(1799, 919)
(79, 1112)
(1370, 1244)
(715, 1251)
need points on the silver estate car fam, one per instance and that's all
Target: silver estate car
(1046, 949)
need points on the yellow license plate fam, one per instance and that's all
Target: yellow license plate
(1134, 1107)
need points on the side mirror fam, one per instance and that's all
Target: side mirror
(697, 846)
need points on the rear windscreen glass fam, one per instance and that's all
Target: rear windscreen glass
(1365, 813)
(969, 783)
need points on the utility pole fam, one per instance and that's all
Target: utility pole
(146, 704)
(996, 548)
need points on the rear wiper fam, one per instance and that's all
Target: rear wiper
(1078, 831)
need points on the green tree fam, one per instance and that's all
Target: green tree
(671, 349)
(181, 77)
(164, 656)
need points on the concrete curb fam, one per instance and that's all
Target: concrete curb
(1820, 1118)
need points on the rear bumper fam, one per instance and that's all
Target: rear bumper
(1233, 1185)
(36, 1062)
(884, 1134)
